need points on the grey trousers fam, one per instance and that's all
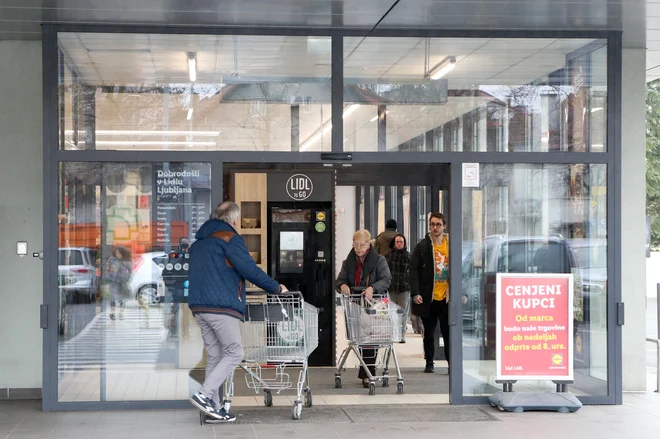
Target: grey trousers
(403, 300)
(224, 351)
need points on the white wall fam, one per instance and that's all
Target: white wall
(21, 213)
(633, 218)
(345, 223)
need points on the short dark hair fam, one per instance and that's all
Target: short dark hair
(437, 215)
(391, 224)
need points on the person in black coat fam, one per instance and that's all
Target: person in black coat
(398, 259)
(429, 286)
(364, 267)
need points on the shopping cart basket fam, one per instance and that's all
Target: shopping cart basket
(372, 324)
(280, 332)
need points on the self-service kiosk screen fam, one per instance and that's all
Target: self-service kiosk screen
(292, 254)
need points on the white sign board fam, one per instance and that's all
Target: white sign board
(471, 175)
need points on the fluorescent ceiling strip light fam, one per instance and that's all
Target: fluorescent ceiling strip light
(594, 110)
(192, 67)
(443, 68)
(190, 113)
(149, 142)
(149, 133)
(317, 136)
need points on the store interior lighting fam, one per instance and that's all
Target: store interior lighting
(443, 68)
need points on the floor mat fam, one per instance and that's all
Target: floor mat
(366, 414)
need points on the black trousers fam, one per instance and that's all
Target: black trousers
(369, 356)
(439, 312)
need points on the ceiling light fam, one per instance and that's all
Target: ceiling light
(190, 113)
(595, 109)
(443, 68)
(150, 142)
(192, 66)
(149, 133)
(373, 119)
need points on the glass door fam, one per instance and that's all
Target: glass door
(526, 218)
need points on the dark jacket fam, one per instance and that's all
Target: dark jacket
(375, 271)
(219, 265)
(118, 274)
(384, 240)
(422, 276)
(399, 263)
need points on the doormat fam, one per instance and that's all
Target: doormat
(365, 414)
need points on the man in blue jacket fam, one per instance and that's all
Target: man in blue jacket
(219, 264)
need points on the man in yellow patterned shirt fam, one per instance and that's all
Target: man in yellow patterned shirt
(429, 286)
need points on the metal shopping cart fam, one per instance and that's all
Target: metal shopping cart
(372, 324)
(280, 332)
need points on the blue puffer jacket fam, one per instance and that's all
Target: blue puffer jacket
(219, 266)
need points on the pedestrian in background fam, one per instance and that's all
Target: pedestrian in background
(398, 259)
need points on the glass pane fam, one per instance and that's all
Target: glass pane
(536, 219)
(469, 94)
(125, 331)
(194, 92)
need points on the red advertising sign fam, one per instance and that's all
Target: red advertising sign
(534, 326)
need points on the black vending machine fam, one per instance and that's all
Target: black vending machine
(300, 249)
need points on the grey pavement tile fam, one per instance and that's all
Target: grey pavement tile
(234, 431)
(314, 431)
(354, 431)
(273, 431)
(108, 432)
(165, 417)
(120, 417)
(196, 432)
(186, 417)
(393, 430)
(150, 432)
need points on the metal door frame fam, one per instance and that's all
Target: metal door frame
(52, 157)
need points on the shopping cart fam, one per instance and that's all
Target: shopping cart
(372, 324)
(280, 332)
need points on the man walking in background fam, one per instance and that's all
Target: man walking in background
(384, 240)
(219, 264)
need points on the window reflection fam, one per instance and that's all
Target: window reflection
(125, 332)
(536, 219)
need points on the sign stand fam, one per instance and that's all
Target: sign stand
(561, 401)
(534, 341)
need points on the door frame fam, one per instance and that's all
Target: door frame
(53, 156)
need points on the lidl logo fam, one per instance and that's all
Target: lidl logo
(557, 359)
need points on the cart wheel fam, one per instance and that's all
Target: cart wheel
(372, 388)
(308, 397)
(399, 388)
(268, 398)
(297, 410)
(337, 382)
(386, 382)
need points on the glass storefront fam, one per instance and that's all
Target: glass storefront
(195, 93)
(125, 331)
(125, 220)
(477, 95)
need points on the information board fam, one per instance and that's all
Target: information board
(534, 327)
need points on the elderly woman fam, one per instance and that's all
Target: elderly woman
(364, 268)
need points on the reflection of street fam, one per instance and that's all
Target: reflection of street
(106, 341)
